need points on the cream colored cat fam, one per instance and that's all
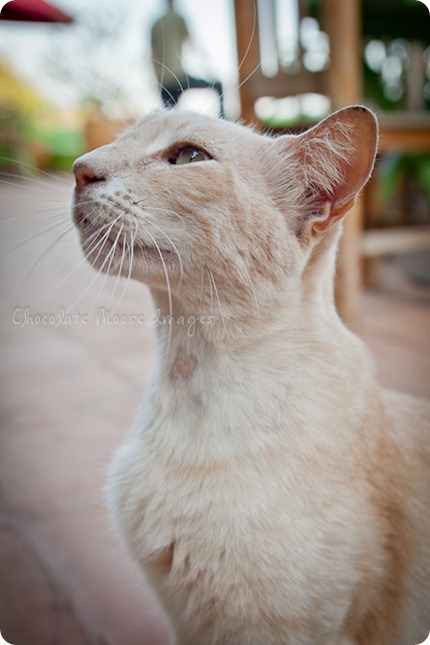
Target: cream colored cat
(271, 490)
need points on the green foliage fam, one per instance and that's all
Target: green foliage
(423, 174)
(28, 124)
(396, 167)
(16, 96)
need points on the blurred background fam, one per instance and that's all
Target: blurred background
(57, 77)
(77, 61)
(73, 74)
(72, 80)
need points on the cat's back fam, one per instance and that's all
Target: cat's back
(410, 417)
(410, 430)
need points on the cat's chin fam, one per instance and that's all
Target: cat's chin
(113, 250)
(142, 262)
(113, 247)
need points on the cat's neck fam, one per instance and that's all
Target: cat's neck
(305, 303)
(203, 376)
(306, 315)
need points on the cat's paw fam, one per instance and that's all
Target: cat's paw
(426, 642)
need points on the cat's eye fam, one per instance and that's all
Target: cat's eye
(189, 154)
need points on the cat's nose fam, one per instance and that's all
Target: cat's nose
(86, 172)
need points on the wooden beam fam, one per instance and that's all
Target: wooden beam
(342, 23)
(378, 242)
(247, 53)
(405, 132)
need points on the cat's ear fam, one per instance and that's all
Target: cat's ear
(334, 160)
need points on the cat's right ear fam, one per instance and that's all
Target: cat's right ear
(332, 161)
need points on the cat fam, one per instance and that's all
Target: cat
(271, 491)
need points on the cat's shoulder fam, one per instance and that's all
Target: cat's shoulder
(410, 422)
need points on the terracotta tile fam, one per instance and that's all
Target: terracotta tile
(106, 586)
(32, 608)
(69, 396)
(43, 468)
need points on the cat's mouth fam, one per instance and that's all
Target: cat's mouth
(124, 242)
(140, 248)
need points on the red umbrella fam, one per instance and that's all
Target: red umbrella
(33, 11)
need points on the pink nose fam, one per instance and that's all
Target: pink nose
(86, 173)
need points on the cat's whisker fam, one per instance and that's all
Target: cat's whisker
(89, 286)
(245, 80)
(164, 88)
(167, 211)
(120, 267)
(53, 212)
(202, 285)
(105, 231)
(169, 290)
(119, 275)
(169, 239)
(94, 221)
(66, 229)
(203, 296)
(164, 67)
(251, 38)
(210, 292)
(49, 179)
(103, 242)
(233, 84)
(125, 248)
(105, 234)
(30, 184)
(219, 304)
(108, 260)
(212, 279)
(83, 260)
(99, 228)
(159, 209)
(93, 241)
(94, 204)
(43, 256)
(251, 286)
(130, 247)
(53, 227)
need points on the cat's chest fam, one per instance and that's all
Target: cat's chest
(227, 453)
(212, 507)
(209, 529)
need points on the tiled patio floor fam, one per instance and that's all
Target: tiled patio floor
(70, 390)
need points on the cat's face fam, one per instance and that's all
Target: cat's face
(201, 206)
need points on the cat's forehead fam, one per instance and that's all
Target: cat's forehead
(166, 128)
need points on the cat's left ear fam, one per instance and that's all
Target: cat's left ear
(334, 160)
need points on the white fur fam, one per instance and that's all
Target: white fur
(272, 492)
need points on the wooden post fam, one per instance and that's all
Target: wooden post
(415, 78)
(247, 53)
(342, 23)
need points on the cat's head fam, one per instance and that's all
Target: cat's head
(213, 211)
